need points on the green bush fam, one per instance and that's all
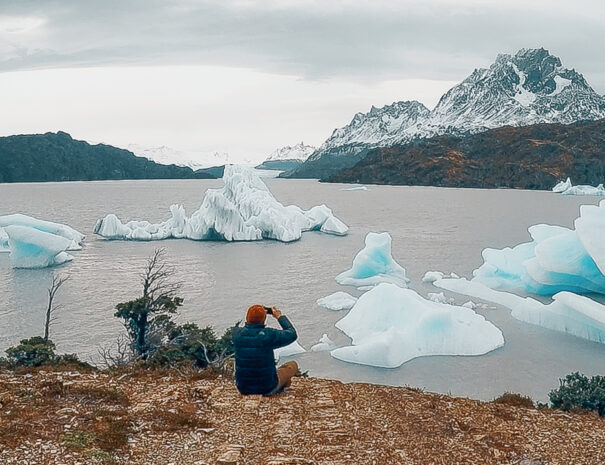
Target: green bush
(189, 343)
(32, 352)
(578, 392)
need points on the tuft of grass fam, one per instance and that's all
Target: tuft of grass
(99, 394)
(514, 400)
(78, 439)
(99, 456)
(185, 416)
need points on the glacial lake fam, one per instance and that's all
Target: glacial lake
(432, 229)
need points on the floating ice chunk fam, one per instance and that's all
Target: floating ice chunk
(432, 276)
(324, 344)
(439, 297)
(356, 188)
(470, 304)
(568, 313)
(374, 264)
(3, 241)
(57, 229)
(337, 301)
(390, 325)
(566, 188)
(242, 210)
(32, 248)
(288, 351)
(557, 259)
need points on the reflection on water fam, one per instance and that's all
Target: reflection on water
(432, 229)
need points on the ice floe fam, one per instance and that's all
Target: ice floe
(566, 188)
(288, 351)
(374, 264)
(338, 301)
(557, 259)
(34, 243)
(390, 325)
(243, 210)
(568, 312)
(324, 344)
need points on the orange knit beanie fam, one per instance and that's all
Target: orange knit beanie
(256, 314)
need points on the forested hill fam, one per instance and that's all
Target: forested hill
(529, 157)
(58, 157)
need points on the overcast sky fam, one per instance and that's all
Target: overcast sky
(248, 76)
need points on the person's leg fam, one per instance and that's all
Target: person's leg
(285, 373)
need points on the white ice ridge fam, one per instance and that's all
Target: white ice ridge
(568, 313)
(356, 188)
(374, 264)
(242, 210)
(34, 243)
(566, 188)
(557, 258)
(324, 344)
(389, 326)
(337, 301)
(288, 351)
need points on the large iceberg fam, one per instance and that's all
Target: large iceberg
(557, 259)
(34, 243)
(566, 188)
(31, 248)
(390, 325)
(243, 210)
(374, 264)
(568, 312)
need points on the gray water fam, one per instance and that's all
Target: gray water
(432, 229)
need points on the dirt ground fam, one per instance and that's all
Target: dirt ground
(149, 418)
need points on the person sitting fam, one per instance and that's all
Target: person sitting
(255, 371)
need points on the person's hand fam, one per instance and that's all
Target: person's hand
(275, 312)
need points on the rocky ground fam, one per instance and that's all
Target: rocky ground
(190, 418)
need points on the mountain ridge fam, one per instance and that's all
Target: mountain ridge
(530, 87)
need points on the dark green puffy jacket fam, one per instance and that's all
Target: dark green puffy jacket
(255, 371)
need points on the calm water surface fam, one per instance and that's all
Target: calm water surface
(432, 229)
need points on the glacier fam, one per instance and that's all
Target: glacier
(557, 259)
(337, 301)
(243, 210)
(34, 243)
(389, 326)
(374, 264)
(566, 188)
(568, 312)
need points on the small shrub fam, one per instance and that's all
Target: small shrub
(32, 352)
(578, 392)
(515, 400)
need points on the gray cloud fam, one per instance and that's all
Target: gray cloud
(356, 40)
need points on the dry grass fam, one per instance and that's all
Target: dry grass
(514, 400)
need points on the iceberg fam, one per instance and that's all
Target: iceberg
(56, 229)
(324, 344)
(432, 276)
(374, 264)
(566, 188)
(337, 301)
(390, 325)
(32, 248)
(356, 188)
(243, 210)
(568, 312)
(288, 351)
(557, 259)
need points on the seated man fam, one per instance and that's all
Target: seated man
(255, 371)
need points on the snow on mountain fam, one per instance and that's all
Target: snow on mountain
(527, 88)
(299, 151)
(194, 160)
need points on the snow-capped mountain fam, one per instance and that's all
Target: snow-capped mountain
(287, 158)
(169, 156)
(529, 87)
(299, 151)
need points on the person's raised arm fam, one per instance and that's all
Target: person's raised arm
(288, 334)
